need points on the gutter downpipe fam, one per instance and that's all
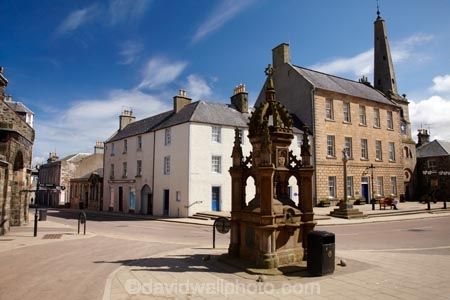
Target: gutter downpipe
(313, 121)
(153, 171)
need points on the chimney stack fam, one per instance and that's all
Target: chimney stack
(3, 84)
(423, 137)
(180, 101)
(125, 118)
(240, 98)
(99, 148)
(280, 55)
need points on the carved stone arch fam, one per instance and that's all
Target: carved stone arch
(407, 174)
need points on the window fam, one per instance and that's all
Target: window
(331, 151)
(125, 146)
(299, 140)
(241, 135)
(332, 186)
(431, 164)
(376, 118)
(390, 121)
(167, 165)
(347, 114)
(139, 142)
(362, 115)
(215, 136)
(139, 168)
(394, 185)
(216, 164)
(348, 147)
(364, 149)
(167, 137)
(112, 149)
(178, 196)
(350, 189)
(380, 190)
(111, 172)
(329, 114)
(378, 151)
(391, 151)
(124, 174)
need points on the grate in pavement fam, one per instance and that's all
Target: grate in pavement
(416, 230)
(6, 240)
(52, 236)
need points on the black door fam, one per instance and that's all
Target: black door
(166, 203)
(120, 198)
(150, 204)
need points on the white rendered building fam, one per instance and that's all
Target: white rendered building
(176, 163)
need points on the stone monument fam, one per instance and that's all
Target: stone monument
(271, 230)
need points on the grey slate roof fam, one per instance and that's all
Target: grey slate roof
(342, 85)
(200, 112)
(19, 107)
(433, 149)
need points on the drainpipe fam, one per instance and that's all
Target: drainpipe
(313, 142)
(153, 172)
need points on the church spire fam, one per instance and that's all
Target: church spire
(384, 75)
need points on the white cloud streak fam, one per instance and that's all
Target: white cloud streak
(77, 18)
(221, 14)
(433, 113)
(197, 87)
(127, 10)
(441, 84)
(130, 51)
(362, 63)
(159, 71)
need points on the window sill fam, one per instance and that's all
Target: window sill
(376, 127)
(362, 125)
(329, 120)
(390, 129)
(392, 161)
(138, 176)
(378, 160)
(364, 159)
(331, 157)
(347, 122)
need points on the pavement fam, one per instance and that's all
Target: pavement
(197, 273)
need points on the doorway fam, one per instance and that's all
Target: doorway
(120, 198)
(365, 189)
(215, 198)
(166, 203)
(146, 200)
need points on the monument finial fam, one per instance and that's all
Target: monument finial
(378, 10)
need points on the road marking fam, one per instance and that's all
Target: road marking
(403, 249)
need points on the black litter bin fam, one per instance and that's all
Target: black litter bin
(321, 248)
(42, 215)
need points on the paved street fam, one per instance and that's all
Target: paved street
(389, 260)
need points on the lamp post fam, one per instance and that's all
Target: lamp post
(444, 173)
(372, 200)
(345, 160)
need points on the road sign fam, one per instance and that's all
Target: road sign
(222, 225)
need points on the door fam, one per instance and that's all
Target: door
(166, 203)
(150, 204)
(215, 198)
(120, 198)
(365, 192)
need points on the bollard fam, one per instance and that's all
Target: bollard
(82, 220)
(428, 205)
(214, 237)
(35, 222)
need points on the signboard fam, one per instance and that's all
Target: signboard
(222, 225)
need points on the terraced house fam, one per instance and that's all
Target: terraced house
(370, 122)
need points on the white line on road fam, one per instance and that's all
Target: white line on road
(403, 249)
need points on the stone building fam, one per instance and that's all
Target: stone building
(16, 142)
(175, 163)
(55, 175)
(433, 168)
(370, 122)
(86, 192)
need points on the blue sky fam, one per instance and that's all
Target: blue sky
(76, 64)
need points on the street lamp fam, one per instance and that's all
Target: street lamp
(345, 160)
(372, 200)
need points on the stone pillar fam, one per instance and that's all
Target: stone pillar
(236, 206)
(266, 184)
(307, 222)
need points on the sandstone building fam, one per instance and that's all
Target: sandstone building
(370, 122)
(16, 142)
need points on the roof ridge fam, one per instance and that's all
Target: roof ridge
(332, 75)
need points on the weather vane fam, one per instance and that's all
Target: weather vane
(378, 9)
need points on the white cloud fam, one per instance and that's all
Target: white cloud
(130, 51)
(197, 87)
(431, 113)
(221, 14)
(159, 71)
(77, 19)
(441, 84)
(87, 121)
(362, 63)
(127, 10)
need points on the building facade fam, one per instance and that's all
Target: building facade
(176, 163)
(16, 142)
(370, 123)
(433, 168)
(55, 175)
